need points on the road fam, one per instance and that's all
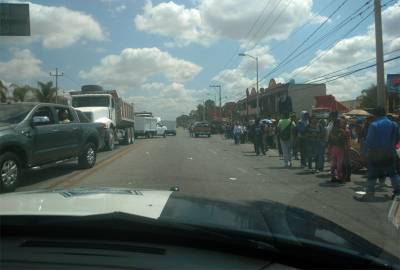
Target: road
(216, 168)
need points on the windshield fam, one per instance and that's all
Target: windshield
(13, 114)
(294, 102)
(90, 101)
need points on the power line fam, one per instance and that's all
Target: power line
(227, 63)
(283, 62)
(301, 27)
(333, 45)
(335, 77)
(263, 23)
(345, 68)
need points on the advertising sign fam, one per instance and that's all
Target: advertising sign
(393, 83)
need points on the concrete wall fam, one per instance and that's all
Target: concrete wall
(302, 96)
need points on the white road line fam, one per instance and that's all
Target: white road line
(242, 170)
(232, 178)
(212, 151)
(190, 158)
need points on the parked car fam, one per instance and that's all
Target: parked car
(37, 135)
(201, 129)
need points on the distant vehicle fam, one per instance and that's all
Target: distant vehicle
(107, 108)
(171, 126)
(201, 129)
(38, 135)
(147, 126)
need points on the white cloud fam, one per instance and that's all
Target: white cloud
(133, 67)
(58, 27)
(22, 67)
(235, 24)
(169, 19)
(213, 19)
(236, 80)
(165, 100)
(120, 8)
(351, 51)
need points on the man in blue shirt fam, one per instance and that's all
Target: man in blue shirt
(379, 146)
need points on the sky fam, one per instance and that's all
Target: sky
(162, 56)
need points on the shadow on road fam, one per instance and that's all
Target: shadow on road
(331, 184)
(305, 173)
(32, 177)
(324, 176)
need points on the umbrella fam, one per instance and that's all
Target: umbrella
(358, 113)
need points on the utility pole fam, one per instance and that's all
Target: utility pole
(220, 94)
(204, 110)
(57, 75)
(258, 99)
(380, 69)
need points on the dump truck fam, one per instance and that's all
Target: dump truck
(106, 107)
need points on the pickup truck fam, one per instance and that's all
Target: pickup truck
(201, 128)
(38, 135)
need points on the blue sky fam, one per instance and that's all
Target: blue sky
(193, 43)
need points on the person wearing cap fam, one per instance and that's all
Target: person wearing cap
(379, 147)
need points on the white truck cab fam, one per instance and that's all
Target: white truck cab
(105, 107)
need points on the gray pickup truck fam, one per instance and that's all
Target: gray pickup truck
(37, 135)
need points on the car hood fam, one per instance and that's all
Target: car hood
(262, 217)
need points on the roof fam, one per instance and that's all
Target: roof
(329, 102)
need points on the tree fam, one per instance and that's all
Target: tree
(46, 92)
(21, 91)
(3, 92)
(368, 97)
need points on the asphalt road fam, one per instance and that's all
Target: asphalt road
(216, 168)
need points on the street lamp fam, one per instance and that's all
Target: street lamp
(255, 58)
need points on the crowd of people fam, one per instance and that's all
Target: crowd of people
(313, 141)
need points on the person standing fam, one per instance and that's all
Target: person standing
(312, 140)
(321, 147)
(295, 143)
(285, 129)
(337, 144)
(301, 130)
(237, 130)
(258, 138)
(379, 146)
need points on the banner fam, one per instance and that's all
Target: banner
(393, 83)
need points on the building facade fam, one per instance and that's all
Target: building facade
(302, 97)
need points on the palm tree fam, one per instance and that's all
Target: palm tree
(3, 92)
(21, 91)
(46, 92)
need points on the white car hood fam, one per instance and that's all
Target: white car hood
(83, 202)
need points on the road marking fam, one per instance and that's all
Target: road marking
(232, 178)
(242, 170)
(147, 153)
(212, 151)
(100, 165)
(190, 158)
(394, 212)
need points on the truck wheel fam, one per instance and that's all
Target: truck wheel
(132, 136)
(196, 135)
(88, 157)
(10, 172)
(110, 141)
(127, 137)
(209, 135)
